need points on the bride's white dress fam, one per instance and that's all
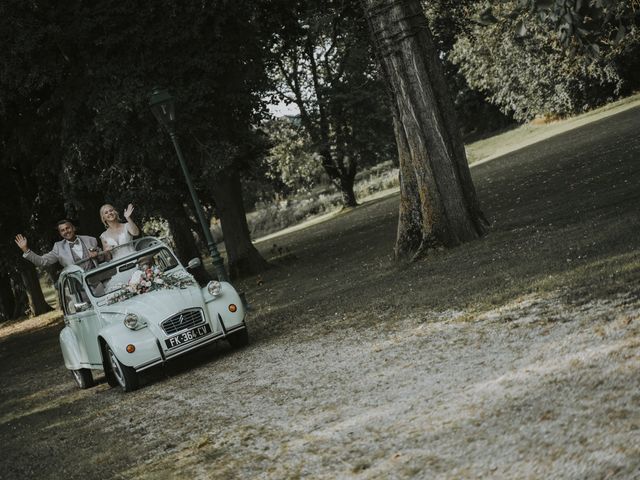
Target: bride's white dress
(123, 237)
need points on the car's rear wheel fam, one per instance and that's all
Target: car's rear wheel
(126, 377)
(83, 378)
(239, 339)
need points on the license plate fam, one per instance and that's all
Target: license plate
(188, 336)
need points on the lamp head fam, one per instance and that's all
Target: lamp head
(163, 108)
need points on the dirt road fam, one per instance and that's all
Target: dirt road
(515, 356)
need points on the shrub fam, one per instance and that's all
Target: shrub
(283, 213)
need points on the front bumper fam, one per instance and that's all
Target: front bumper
(167, 354)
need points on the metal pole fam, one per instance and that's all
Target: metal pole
(218, 262)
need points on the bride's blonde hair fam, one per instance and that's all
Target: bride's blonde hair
(102, 209)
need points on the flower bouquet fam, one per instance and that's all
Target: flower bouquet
(148, 279)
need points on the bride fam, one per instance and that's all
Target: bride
(117, 233)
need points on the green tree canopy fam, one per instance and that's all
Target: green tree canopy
(77, 130)
(549, 58)
(326, 66)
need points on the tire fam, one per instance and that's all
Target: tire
(108, 373)
(111, 378)
(125, 376)
(83, 378)
(239, 339)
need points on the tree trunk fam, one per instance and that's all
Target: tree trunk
(438, 205)
(342, 177)
(29, 275)
(346, 189)
(7, 298)
(320, 128)
(185, 245)
(410, 212)
(242, 257)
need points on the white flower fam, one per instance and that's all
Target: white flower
(135, 278)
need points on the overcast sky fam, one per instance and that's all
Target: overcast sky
(281, 110)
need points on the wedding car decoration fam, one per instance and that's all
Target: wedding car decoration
(149, 280)
(141, 310)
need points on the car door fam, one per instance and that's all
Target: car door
(83, 321)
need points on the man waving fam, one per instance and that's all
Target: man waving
(71, 249)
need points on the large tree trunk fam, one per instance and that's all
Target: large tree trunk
(410, 212)
(438, 204)
(29, 275)
(242, 257)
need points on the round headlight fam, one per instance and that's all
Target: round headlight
(214, 288)
(131, 321)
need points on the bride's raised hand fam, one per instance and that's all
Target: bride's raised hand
(128, 211)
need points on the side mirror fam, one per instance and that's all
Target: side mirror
(81, 307)
(194, 263)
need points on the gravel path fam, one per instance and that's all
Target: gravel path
(553, 394)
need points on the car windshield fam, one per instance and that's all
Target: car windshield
(147, 271)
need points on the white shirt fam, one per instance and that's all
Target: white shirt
(76, 247)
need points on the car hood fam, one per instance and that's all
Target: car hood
(154, 307)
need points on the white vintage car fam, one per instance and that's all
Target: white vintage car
(139, 310)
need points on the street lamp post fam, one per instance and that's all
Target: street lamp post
(162, 106)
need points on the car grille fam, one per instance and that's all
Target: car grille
(182, 321)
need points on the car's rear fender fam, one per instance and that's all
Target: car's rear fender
(70, 349)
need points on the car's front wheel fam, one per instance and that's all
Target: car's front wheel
(126, 377)
(83, 378)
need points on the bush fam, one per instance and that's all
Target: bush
(283, 213)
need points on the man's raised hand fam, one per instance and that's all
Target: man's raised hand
(21, 241)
